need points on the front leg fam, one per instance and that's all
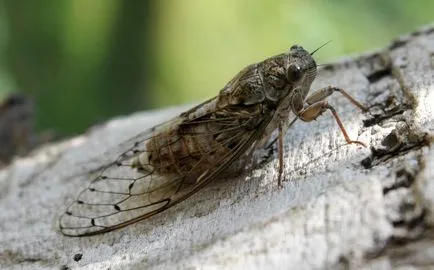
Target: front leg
(308, 110)
(325, 92)
(317, 105)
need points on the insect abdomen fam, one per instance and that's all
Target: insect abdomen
(182, 153)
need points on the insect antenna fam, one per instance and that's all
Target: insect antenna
(320, 47)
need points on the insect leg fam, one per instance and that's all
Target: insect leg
(317, 106)
(280, 151)
(312, 111)
(323, 93)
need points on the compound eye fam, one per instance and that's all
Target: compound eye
(294, 73)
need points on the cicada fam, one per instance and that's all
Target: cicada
(167, 164)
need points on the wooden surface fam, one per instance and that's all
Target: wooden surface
(341, 207)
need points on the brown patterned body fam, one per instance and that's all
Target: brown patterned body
(166, 164)
(195, 146)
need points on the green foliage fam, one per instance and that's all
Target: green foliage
(202, 44)
(85, 61)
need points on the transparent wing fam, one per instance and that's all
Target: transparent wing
(122, 193)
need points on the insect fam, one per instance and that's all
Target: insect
(168, 163)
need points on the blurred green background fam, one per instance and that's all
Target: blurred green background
(84, 61)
